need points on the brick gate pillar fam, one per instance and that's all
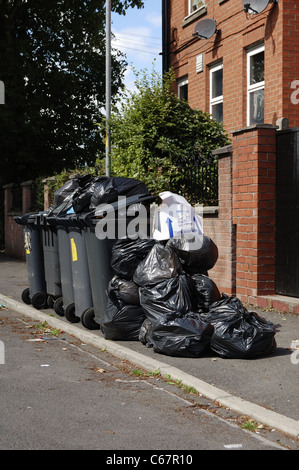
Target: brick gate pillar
(253, 210)
(26, 196)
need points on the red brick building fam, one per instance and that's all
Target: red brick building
(244, 70)
(247, 72)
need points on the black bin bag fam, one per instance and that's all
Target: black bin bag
(224, 308)
(170, 296)
(128, 253)
(122, 321)
(124, 290)
(198, 255)
(69, 188)
(160, 264)
(206, 290)
(239, 334)
(182, 336)
(107, 190)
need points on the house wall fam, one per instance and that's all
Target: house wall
(277, 27)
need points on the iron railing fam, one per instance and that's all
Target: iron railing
(198, 181)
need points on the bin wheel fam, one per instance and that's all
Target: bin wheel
(50, 301)
(58, 307)
(39, 300)
(88, 320)
(26, 296)
(70, 313)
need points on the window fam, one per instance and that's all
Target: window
(216, 92)
(255, 86)
(195, 5)
(183, 88)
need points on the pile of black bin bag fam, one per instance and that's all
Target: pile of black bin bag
(161, 295)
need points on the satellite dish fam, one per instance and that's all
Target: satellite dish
(255, 6)
(205, 28)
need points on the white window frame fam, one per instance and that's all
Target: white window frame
(182, 82)
(197, 3)
(218, 99)
(256, 86)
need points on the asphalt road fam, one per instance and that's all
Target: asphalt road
(59, 394)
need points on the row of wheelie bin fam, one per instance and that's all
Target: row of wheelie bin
(68, 265)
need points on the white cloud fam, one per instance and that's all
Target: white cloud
(155, 20)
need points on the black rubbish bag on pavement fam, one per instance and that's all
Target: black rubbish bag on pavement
(243, 337)
(182, 336)
(197, 255)
(122, 321)
(128, 253)
(239, 334)
(224, 308)
(160, 264)
(171, 296)
(124, 290)
(206, 290)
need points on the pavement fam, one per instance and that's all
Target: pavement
(264, 389)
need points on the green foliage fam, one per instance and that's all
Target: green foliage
(37, 195)
(154, 131)
(52, 62)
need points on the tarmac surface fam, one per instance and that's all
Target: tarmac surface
(266, 388)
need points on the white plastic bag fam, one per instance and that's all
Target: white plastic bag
(176, 218)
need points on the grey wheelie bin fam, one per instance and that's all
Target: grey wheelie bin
(76, 294)
(82, 295)
(67, 290)
(36, 293)
(60, 226)
(99, 252)
(51, 260)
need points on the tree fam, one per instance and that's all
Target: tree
(155, 132)
(52, 62)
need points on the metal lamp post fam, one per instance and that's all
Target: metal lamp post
(108, 86)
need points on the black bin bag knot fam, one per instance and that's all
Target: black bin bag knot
(160, 264)
(206, 290)
(124, 290)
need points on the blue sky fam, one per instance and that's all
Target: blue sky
(138, 34)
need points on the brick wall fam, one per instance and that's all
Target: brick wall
(244, 229)
(253, 192)
(277, 27)
(220, 227)
(14, 233)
